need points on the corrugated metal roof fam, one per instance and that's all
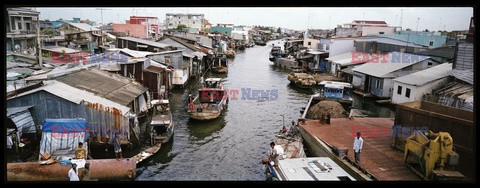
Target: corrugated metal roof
(84, 26)
(387, 40)
(464, 56)
(425, 76)
(133, 53)
(60, 49)
(191, 46)
(74, 95)
(316, 52)
(14, 110)
(346, 59)
(147, 42)
(111, 86)
(464, 75)
(11, 64)
(394, 62)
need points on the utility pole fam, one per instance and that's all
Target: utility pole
(101, 31)
(418, 20)
(401, 19)
(40, 61)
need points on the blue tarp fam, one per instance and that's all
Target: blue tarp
(322, 65)
(64, 125)
(60, 137)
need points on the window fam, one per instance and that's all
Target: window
(19, 25)
(194, 23)
(407, 93)
(167, 59)
(377, 83)
(399, 90)
(309, 43)
(12, 23)
(430, 43)
(381, 32)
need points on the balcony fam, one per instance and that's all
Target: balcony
(21, 34)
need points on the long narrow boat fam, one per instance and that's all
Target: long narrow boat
(142, 156)
(292, 144)
(161, 126)
(210, 102)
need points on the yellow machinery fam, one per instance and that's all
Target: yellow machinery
(431, 156)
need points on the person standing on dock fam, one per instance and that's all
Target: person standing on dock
(357, 147)
(73, 173)
(116, 146)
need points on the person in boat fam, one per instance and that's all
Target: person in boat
(73, 173)
(80, 152)
(190, 105)
(116, 146)
(276, 153)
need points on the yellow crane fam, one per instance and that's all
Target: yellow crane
(432, 156)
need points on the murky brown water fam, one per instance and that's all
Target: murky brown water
(232, 146)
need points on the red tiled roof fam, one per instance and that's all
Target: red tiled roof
(370, 22)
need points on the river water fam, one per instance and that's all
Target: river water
(232, 146)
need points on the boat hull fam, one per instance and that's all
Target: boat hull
(203, 116)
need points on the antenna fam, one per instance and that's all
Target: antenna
(101, 12)
(401, 19)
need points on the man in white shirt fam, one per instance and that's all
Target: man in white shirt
(276, 153)
(357, 147)
(73, 173)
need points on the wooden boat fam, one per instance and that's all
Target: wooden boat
(337, 91)
(220, 69)
(230, 53)
(210, 102)
(260, 43)
(276, 52)
(292, 144)
(220, 63)
(302, 80)
(145, 154)
(161, 126)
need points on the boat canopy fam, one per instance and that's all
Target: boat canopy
(333, 84)
(156, 101)
(213, 79)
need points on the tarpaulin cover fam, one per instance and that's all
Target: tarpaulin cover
(64, 125)
(60, 137)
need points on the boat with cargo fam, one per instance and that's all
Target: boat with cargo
(302, 80)
(211, 101)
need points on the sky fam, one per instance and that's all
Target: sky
(298, 18)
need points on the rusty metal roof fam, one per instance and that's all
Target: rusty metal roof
(377, 156)
(111, 86)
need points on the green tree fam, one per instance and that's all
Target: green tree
(279, 30)
(181, 26)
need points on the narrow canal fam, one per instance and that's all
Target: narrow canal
(232, 146)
